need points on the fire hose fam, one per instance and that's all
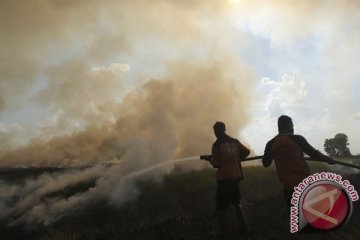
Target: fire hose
(208, 157)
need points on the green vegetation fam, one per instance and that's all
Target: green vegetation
(353, 159)
(337, 146)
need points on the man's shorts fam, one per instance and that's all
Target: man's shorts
(227, 192)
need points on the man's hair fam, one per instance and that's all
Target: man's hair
(219, 126)
(284, 122)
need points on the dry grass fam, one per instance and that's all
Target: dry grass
(182, 207)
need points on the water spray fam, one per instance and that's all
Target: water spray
(151, 168)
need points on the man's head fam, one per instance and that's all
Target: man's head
(285, 125)
(219, 129)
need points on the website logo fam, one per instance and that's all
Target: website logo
(322, 201)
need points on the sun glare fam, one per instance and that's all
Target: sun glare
(234, 1)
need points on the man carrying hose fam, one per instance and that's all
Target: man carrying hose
(227, 153)
(287, 150)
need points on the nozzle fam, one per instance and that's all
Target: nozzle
(205, 157)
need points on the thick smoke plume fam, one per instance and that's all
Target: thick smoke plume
(163, 120)
(136, 83)
(133, 83)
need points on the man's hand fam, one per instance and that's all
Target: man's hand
(206, 157)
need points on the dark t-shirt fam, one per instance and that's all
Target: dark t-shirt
(287, 151)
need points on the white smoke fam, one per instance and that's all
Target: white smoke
(134, 82)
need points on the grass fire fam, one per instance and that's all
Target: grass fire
(107, 106)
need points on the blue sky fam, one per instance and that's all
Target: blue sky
(71, 65)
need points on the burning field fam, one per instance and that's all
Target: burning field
(103, 105)
(179, 205)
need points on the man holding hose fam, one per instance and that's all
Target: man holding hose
(227, 153)
(287, 150)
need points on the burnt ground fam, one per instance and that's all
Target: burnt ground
(181, 206)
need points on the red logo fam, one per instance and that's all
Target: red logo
(325, 206)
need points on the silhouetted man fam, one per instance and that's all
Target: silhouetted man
(227, 153)
(287, 150)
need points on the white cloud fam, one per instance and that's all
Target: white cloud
(283, 93)
(261, 130)
(356, 116)
(337, 95)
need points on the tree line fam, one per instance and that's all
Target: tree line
(338, 146)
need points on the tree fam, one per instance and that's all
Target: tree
(337, 146)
